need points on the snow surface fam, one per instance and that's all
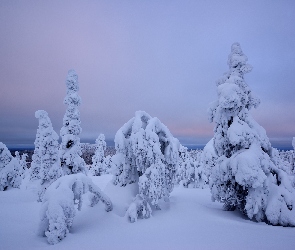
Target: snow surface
(190, 221)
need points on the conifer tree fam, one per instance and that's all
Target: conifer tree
(244, 176)
(70, 150)
(98, 164)
(10, 169)
(46, 150)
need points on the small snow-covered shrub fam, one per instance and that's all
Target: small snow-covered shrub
(245, 174)
(10, 169)
(139, 208)
(146, 153)
(70, 150)
(58, 208)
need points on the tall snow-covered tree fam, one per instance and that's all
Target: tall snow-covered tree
(245, 177)
(70, 150)
(10, 169)
(147, 153)
(35, 169)
(98, 165)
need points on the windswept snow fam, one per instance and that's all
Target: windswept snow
(189, 221)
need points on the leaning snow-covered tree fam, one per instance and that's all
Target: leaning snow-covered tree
(60, 201)
(98, 165)
(245, 177)
(10, 169)
(147, 153)
(70, 150)
(49, 169)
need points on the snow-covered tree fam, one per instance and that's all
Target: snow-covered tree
(108, 164)
(245, 177)
(190, 170)
(22, 159)
(49, 168)
(195, 174)
(10, 169)
(98, 165)
(35, 168)
(147, 153)
(70, 150)
(184, 161)
(58, 208)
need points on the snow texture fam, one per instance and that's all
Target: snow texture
(190, 221)
(58, 208)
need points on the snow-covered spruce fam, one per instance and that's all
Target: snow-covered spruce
(35, 169)
(98, 164)
(58, 208)
(147, 153)
(49, 169)
(244, 175)
(10, 169)
(70, 150)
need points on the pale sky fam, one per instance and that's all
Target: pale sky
(162, 57)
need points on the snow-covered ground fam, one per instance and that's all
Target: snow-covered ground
(190, 221)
